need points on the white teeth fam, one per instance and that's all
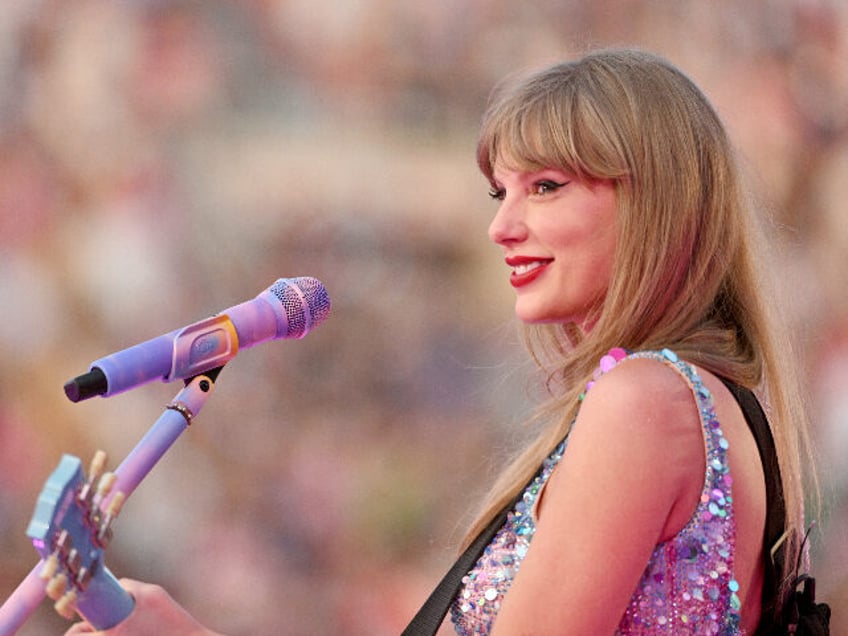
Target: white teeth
(518, 270)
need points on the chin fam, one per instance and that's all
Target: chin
(581, 321)
(546, 317)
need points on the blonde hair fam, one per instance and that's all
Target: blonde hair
(685, 274)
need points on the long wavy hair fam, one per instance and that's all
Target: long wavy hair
(687, 274)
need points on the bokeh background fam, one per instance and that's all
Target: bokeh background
(163, 160)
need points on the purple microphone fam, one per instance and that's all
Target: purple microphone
(289, 308)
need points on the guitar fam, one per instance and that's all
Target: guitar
(70, 529)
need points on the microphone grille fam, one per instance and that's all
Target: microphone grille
(305, 301)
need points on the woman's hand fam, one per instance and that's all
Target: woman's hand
(155, 612)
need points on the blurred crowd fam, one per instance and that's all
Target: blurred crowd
(161, 160)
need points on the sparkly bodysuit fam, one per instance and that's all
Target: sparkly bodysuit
(688, 586)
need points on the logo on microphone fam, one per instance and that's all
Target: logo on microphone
(204, 345)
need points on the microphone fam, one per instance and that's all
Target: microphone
(289, 308)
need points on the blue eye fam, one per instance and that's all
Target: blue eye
(497, 193)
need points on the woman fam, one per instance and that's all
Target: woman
(623, 220)
(628, 241)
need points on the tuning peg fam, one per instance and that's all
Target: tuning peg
(49, 567)
(85, 496)
(73, 562)
(105, 485)
(83, 578)
(104, 534)
(66, 606)
(97, 466)
(115, 504)
(63, 543)
(113, 509)
(57, 586)
(95, 470)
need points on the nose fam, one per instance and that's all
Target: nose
(508, 226)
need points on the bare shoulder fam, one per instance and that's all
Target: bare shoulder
(644, 393)
(639, 430)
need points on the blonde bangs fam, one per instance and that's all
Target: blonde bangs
(536, 127)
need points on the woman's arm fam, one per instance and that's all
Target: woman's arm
(631, 477)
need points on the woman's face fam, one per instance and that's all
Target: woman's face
(558, 237)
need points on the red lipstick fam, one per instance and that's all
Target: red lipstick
(526, 269)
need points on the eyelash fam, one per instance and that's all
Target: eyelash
(546, 185)
(539, 188)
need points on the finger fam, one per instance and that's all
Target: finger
(131, 585)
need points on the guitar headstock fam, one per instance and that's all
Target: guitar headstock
(70, 529)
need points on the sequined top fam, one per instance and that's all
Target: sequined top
(688, 585)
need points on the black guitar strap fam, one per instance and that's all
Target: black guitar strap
(428, 619)
(776, 507)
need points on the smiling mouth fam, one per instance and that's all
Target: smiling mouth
(524, 268)
(526, 271)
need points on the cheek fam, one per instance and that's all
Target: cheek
(591, 243)
(605, 258)
(604, 236)
(594, 257)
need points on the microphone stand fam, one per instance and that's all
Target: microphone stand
(159, 438)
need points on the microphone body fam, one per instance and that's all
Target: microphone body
(290, 308)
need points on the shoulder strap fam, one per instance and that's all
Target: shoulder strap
(428, 619)
(776, 507)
